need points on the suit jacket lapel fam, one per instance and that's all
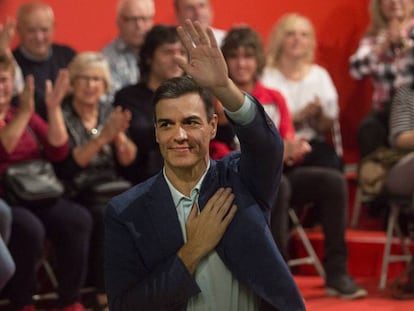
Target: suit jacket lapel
(164, 215)
(209, 186)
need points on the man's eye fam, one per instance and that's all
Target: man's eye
(192, 122)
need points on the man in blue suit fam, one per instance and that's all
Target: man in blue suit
(196, 236)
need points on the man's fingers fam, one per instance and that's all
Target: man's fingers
(185, 39)
(229, 216)
(204, 39)
(224, 204)
(192, 31)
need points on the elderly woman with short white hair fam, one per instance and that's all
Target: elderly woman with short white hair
(98, 146)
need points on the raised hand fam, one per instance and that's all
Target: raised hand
(206, 62)
(207, 65)
(54, 94)
(6, 35)
(205, 230)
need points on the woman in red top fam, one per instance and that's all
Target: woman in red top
(25, 136)
(324, 187)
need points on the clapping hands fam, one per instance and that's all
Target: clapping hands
(117, 123)
(54, 94)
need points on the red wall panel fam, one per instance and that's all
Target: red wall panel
(339, 24)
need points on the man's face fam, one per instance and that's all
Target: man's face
(135, 19)
(183, 133)
(242, 66)
(163, 65)
(36, 32)
(195, 10)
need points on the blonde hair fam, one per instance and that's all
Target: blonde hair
(87, 60)
(284, 25)
(378, 20)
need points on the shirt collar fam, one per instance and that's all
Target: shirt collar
(29, 56)
(177, 196)
(121, 45)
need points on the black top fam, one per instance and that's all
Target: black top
(59, 58)
(138, 99)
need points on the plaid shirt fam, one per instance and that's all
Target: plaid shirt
(123, 65)
(388, 72)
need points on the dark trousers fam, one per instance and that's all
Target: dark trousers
(68, 226)
(326, 189)
(373, 132)
(96, 272)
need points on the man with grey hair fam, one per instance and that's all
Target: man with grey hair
(37, 54)
(134, 20)
(197, 10)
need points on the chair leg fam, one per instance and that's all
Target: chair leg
(388, 257)
(312, 258)
(387, 247)
(50, 273)
(357, 208)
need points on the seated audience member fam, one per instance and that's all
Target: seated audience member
(24, 135)
(399, 180)
(7, 266)
(178, 241)
(134, 19)
(324, 187)
(381, 55)
(98, 145)
(36, 54)
(156, 65)
(307, 87)
(197, 10)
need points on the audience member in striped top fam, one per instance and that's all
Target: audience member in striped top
(400, 178)
(382, 55)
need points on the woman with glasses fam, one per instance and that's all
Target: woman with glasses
(98, 146)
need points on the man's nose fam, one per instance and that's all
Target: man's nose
(181, 133)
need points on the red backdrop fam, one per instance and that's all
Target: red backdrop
(88, 25)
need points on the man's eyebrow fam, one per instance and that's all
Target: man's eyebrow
(161, 120)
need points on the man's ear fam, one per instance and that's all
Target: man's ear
(213, 124)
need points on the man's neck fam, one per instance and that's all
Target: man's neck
(37, 58)
(184, 180)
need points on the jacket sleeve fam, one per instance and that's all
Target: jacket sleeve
(131, 283)
(261, 159)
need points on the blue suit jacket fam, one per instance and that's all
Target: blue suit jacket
(143, 233)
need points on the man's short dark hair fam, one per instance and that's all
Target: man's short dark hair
(179, 86)
(157, 36)
(244, 37)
